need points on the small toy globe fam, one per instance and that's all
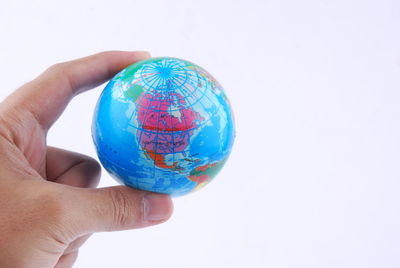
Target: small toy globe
(163, 125)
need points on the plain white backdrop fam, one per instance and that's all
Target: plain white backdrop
(314, 177)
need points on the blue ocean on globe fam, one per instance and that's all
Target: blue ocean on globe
(163, 125)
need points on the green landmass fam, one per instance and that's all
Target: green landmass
(134, 92)
(210, 171)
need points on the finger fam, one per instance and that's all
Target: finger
(46, 97)
(72, 168)
(67, 260)
(118, 208)
(76, 244)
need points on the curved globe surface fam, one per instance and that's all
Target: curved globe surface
(163, 125)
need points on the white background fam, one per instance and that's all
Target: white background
(314, 177)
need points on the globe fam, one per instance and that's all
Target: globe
(163, 125)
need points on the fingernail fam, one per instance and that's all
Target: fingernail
(156, 207)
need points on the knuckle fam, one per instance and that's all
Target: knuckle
(62, 72)
(92, 170)
(59, 71)
(53, 206)
(105, 53)
(54, 215)
(89, 167)
(122, 208)
(93, 166)
(57, 68)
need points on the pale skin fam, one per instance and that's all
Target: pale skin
(49, 203)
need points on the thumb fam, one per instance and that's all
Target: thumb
(118, 208)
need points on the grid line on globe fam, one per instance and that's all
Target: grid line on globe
(165, 107)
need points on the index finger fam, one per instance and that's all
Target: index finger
(47, 96)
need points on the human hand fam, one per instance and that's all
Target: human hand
(49, 205)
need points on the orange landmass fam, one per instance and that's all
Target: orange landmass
(159, 160)
(199, 179)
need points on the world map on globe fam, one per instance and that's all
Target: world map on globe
(163, 125)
